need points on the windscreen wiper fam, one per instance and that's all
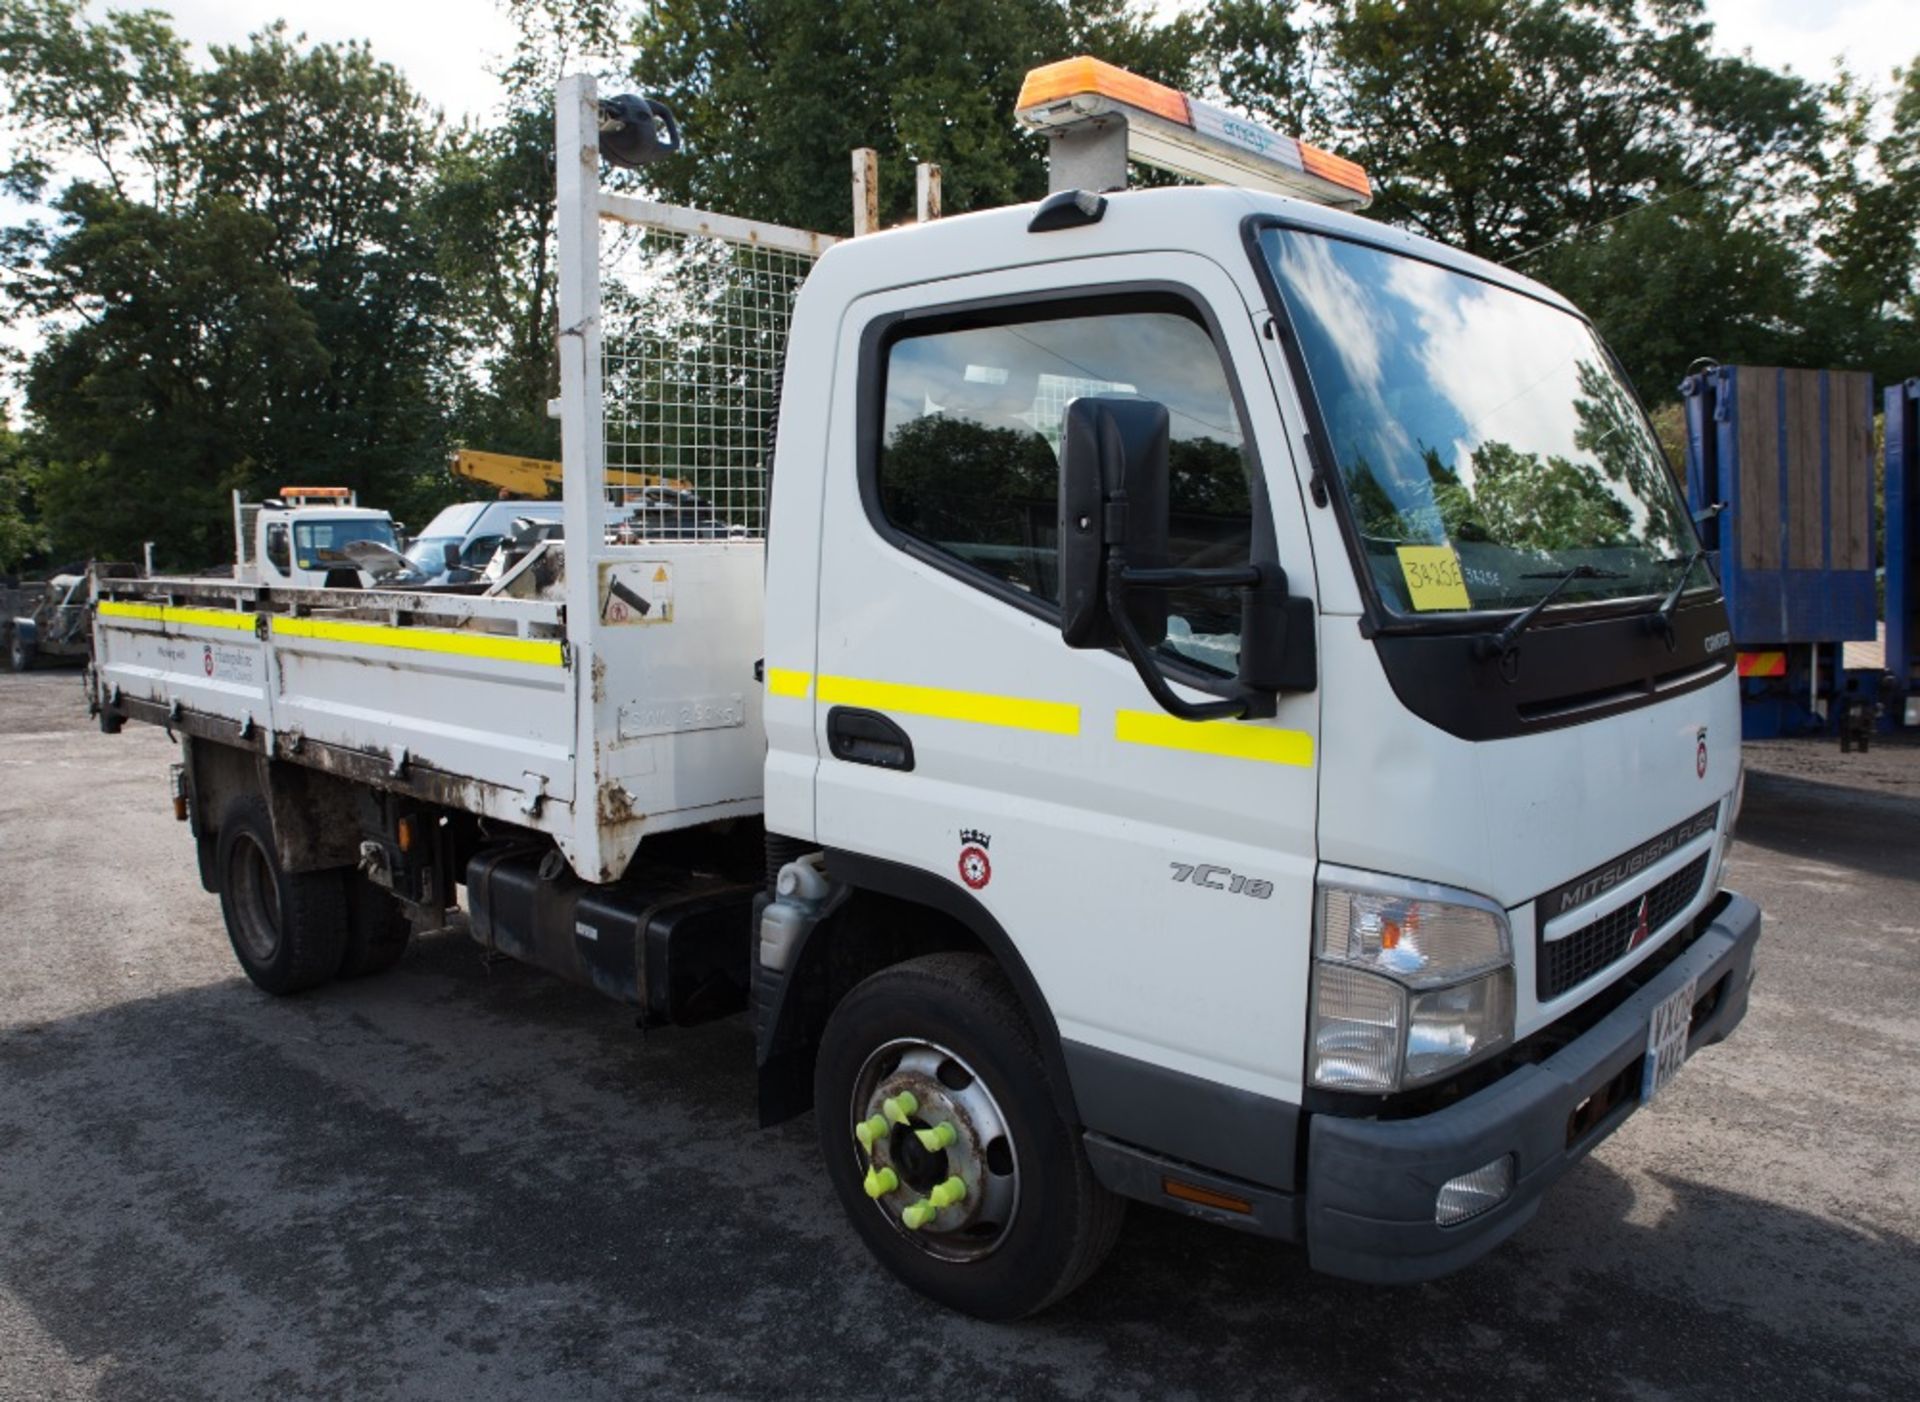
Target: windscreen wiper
(1505, 643)
(1661, 619)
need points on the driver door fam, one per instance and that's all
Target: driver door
(1155, 875)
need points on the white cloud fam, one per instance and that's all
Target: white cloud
(445, 47)
(1871, 36)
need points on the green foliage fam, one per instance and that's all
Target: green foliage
(21, 535)
(241, 291)
(773, 94)
(491, 212)
(170, 393)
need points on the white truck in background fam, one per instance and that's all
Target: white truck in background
(1230, 712)
(312, 538)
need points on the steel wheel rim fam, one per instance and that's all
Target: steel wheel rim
(982, 1154)
(256, 899)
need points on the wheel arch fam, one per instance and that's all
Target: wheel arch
(792, 1005)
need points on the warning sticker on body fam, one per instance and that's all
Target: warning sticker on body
(636, 593)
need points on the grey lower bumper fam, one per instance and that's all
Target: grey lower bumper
(1371, 1184)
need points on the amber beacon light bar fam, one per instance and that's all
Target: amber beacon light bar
(1097, 117)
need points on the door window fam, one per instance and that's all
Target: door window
(479, 553)
(969, 461)
(278, 554)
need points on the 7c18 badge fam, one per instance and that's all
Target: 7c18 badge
(975, 870)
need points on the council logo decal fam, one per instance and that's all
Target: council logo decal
(206, 662)
(975, 869)
(1700, 754)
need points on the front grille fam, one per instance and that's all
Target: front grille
(1577, 957)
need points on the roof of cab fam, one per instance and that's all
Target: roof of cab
(1205, 219)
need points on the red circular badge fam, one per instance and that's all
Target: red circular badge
(975, 869)
(206, 662)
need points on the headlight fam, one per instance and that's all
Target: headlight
(1420, 943)
(1410, 982)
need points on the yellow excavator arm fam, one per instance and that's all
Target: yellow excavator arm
(538, 478)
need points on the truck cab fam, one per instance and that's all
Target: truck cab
(1280, 640)
(312, 537)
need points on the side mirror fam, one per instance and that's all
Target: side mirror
(1113, 508)
(1114, 529)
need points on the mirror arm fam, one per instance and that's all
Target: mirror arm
(1141, 656)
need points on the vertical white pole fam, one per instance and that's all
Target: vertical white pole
(866, 190)
(582, 455)
(926, 191)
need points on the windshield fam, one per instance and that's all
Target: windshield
(1485, 443)
(428, 554)
(317, 545)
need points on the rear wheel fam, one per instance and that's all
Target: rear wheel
(378, 928)
(289, 929)
(942, 1139)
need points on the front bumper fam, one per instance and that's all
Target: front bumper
(1371, 1184)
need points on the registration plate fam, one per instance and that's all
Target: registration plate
(1667, 1041)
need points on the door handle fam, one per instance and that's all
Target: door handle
(867, 737)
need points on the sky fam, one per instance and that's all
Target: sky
(446, 47)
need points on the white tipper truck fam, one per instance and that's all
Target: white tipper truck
(1230, 711)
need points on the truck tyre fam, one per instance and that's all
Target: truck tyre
(377, 928)
(943, 1142)
(19, 651)
(289, 929)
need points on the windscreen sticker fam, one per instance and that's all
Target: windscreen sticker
(636, 594)
(1432, 573)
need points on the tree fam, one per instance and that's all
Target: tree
(331, 148)
(1498, 125)
(22, 537)
(167, 394)
(1867, 282)
(1684, 278)
(1600, 145)
(774, 94)
(491, 208)
(240, 290)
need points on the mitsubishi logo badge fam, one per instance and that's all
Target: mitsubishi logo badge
(1640, 927)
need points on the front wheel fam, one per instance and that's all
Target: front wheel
(943, 1141)
(20, 651)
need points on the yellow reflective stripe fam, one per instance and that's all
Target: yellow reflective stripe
(1231, 738)
(782, 681)
(166, 613)
(1013, 712)
(541, 652)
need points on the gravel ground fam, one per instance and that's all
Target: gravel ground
(470, 1181)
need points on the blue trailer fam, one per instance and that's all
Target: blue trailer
(1788, 456)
